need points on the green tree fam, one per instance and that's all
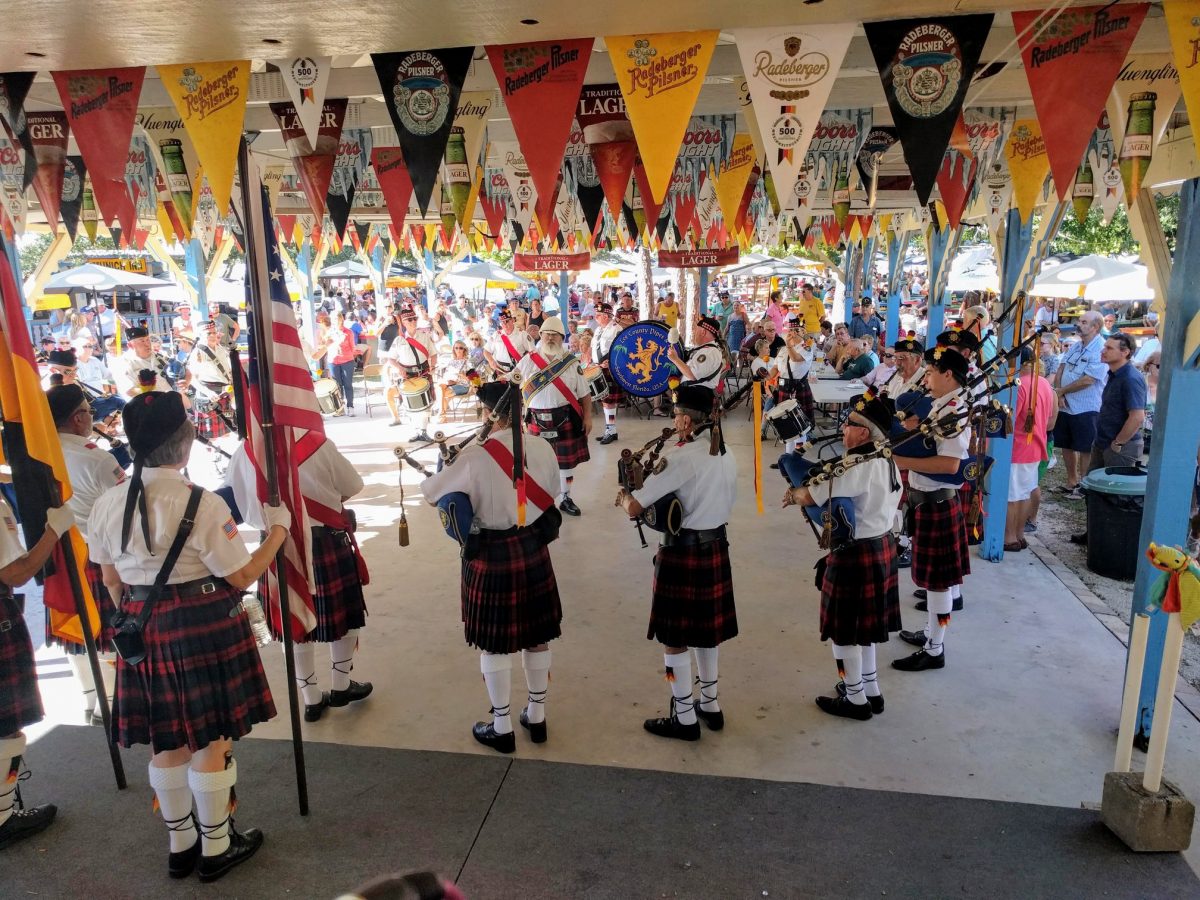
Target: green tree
(32, 251)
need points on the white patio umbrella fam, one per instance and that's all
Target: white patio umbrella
(1094, 278)
(91, 277)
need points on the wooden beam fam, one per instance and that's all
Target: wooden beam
(1143, 222)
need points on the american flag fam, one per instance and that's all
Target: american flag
(299, 428)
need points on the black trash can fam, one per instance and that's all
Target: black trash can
(1116, 497)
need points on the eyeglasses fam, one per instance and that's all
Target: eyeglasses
(889, 356)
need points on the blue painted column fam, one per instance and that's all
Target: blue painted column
(848, 266)
(14, 261)
(197, 275)
(430, 271)
(564, 287)
(867, 266)
(377, 262)
(704, 290)
(1176, 436)
(941, 244)
(304, 260)
(897, 245)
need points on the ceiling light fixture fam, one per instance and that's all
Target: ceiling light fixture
(529, 22)
(35, 54)
(811, 2)
(271, 41)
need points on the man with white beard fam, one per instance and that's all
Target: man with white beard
(559, 403)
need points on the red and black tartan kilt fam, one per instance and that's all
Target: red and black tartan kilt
(692, 605)
(95, 579)
(939, 545)
(800, 390)
(615, 394)
(570, 445)
(202, 678)
(509, 593)
(20, 700)
(209, 423)
(860, 596)
(338, 601)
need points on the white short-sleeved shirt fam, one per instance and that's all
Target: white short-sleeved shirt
(213, 369)
(899, 384)
(490, 488)
(958, 447)
(707, 363)
(325, 477)
(792, 369)
(550, 396)
(214, 547)
(10, 537)
(603, 339)
(408, 356)
(869, 486)
(92, 472)
(705, 485)
(126, 367)
(521, 342)
(93, 373)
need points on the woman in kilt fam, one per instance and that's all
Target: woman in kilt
(692, 607)
(201, 685)
(327, 481)
(939, 537)
(20, 701)
(510, 597)
(860, 599)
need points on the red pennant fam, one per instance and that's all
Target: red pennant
(493, 209)
(394, 182)
(1072, 64)
(314, 165)
(614, 164)
(287, 226)
(101, 107)
(49, 132)
(652, 210)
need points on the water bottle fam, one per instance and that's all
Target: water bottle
(258, 620)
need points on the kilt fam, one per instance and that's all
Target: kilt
(570, 444)
(201, 680)
(800, 390)
(95, 579)
(939, 545)
(20, 700)
(615, 394)
(860, 596)
(209, 423)
(338, 600)
(509, 594)
(692, 605)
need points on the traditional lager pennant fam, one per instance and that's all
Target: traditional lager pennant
(609, 136)
(306, 79)
(1140, 106)
(1072, 58)
(394, 183)
(48, 132)
(1028, 164)
(421, 91)
(539, 83)
(314, 162)
(926, 66)
(211, 100)
(1183, 25)
(660, 77)
(14, 88)
(101, 106)
(71, 199)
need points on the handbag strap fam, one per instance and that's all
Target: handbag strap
(181, 536)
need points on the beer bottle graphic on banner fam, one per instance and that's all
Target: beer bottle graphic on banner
(178, 182)
(1138, 144)
(447, 210)
(458, 173)
(1083, 192)
(89, 216)
(841, 193)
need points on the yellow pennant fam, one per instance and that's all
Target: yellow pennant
(211, 100)
(1183, 24)
(164, 223)
(660, 77)
(733, 175)
(1027, 163)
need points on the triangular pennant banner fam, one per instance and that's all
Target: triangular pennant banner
(1183, 24)
(1140, 107)
(314, 162)
(660, 77)
(48, 132)
(463, 148)
(421, 91)
(306, 79)
(14, 88)
(354, 152)
(12, 185)
(926, 66)
(1071, 61)
(734, 176)
(957, 175)
(101, 106)
(1028, 164)
(879, 141)
(176, 159)
(71, 200)
(394, 183)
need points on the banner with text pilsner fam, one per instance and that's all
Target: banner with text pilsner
(1028, 164)
(394, 183)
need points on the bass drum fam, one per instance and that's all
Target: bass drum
(637, 359)
(597, 382)
(329, 396)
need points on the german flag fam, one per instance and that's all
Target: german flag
(31, 447)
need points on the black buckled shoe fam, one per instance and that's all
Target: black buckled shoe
(876, 703)
(904, 559)
(916, 638)
(671, 727)
(421, 436)
(840, 706)
(537, 730)
(314, 712)
(242, 846)
(25, 823)
(183, 863)
(714, 720)
(357, 691)
(568, 506)
(920, 661)
(607, 438)
(485, 733)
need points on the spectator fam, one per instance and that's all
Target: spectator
(824, 338)
(866, 322)
(536, 316)
(1037, 410)
(1079, 385)
(776, 312)
(1110, 325)
(735, 334)
(839, 353)
(722, 310)
(1151, 346)
(859, 361)
(1050, 354)
(773, 338)
(812, 310)
(1151, 370)
(879, 375)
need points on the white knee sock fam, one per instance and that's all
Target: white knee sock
(789, 446)
(10, 759)
(564, 483)
(706, 677)
(852, 666)
(939, 605)
(870, 673)
(306, 673)
(837, 660)
(175, 803)
(956, 592)
(213, 791)
(610, 419)
(679, 673)
(537, 678)
(341, 659)
(108, 674)
(497, 675)
(82, 669)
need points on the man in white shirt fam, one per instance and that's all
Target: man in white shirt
(410, 357)
(509, 346)
(139, 357)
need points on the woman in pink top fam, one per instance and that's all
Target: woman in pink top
(341, 358)
(1031, 422)
(776, 311)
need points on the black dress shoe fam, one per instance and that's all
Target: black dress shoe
(313, 713)
(921, 594)
(714, 720)
(840, 706)
(421, 436)
(916, 638)
(920, 661)
(568, 506)
(352, 694)
(183, 863)
(537, 730)
(24, 823)
(956, 604)
(774, 465)
(607, 438)
(876, 703)
(485, 733)
(1080, 539)
(904, 559)
(242, 846)
(671, 727)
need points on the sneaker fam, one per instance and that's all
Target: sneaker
(1031, 527)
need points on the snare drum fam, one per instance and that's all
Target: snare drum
(329, 396)
(787, 420)
(417, 394)
(596, 381)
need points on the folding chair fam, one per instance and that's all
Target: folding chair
(373, 389)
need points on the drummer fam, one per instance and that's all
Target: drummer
(606, 332)
(508, 346)
(794, 363)
(559, 403)
(705, 363)
(410, 357)
(212, 375)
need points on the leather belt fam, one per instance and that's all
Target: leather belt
(691, 537)
(185, 590)
(920, 498)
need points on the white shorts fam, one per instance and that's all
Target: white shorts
(1022, 479)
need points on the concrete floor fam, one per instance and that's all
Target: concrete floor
(1026, 709)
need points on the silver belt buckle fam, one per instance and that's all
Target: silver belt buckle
(6, 625)
(209, 587)
(547, 434)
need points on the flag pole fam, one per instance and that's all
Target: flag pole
(254, 232)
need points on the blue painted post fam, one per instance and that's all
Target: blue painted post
(1176, 436)
(1018, 239)
(197, 274)
(941, 245)
(564, 287)
(304, 262)
(14, 261)
(704, 290)
(897, 245)
(848, 280)
(377, 262)
(430, 271)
